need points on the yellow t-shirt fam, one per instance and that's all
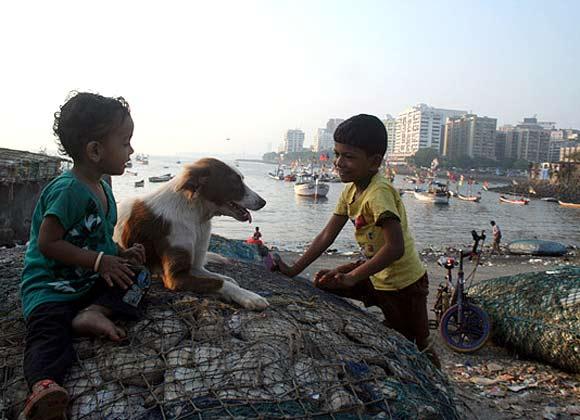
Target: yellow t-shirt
(380, 197)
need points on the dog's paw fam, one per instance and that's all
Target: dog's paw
(253, 301)
(233, 281)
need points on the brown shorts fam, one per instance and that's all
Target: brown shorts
(405, 310)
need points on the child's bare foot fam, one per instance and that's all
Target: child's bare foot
(94, 322)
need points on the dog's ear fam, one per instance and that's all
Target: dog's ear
(192, 180)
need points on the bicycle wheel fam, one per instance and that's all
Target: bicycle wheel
(468, 336)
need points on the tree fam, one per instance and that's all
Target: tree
(521, 164)
(424, 157)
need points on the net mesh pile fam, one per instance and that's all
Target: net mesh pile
(309, 354)
(536, 314)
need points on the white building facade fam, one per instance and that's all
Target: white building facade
(420, 127)
(323, 140)
(390, 123)
(293, 141)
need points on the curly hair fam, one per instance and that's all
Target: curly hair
(86, 117)
(364, 131)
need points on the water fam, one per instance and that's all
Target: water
(290, 222)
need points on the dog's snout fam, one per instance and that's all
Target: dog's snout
(261, 203)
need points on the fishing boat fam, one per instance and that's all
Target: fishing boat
(569, 205)
(128, 172)
(306, 186)
(140, 183)
(472, 198)
(521, 201)
(279, 176)
(437, 193)
(549, 199)
(162, 178)
(143, 159)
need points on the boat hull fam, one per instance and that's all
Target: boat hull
(311, 190)
(431, 198)
(472, 198)
(569, 205)
(521, 202)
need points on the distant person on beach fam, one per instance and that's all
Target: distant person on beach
(74, 275)
(496, 237)
(257, 234)
(391, 275)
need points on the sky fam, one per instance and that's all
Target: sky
(197, 73)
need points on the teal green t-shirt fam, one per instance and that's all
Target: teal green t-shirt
(86, 225)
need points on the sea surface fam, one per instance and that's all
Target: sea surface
(290, 222)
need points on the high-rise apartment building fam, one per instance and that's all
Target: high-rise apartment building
(533, 141)
(470, 135)
(323, 140)
(293, 141)
(500, 140)
(528, 141)
(332, 124)
(556, 146)
(391, 127)
(419, 127)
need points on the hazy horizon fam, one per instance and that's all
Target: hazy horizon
(198, 74)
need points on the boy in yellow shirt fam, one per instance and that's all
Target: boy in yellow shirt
(391, 276)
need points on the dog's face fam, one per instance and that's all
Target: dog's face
(221, 188)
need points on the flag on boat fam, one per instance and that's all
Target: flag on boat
(434, 164)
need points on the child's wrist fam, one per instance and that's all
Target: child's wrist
(97, 263)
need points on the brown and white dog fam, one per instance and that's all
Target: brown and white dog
(174, 225)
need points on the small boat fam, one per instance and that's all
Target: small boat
(549, 199)
(131, 172)
(569, 205)
(437, 193)
(290, 178)
(140, 183)
(162, 178)
(278, 177)
(537, 247)
(143, 159)
(308, 187)
(521, 201)
(472, 198)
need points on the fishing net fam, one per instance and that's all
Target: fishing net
(309, 354)
(536, 314)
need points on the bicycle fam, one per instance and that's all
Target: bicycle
(464, 326)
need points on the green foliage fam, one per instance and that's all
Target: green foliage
(521, 164)
(424, 157)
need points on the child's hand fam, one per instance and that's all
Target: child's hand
(283, 268)
(333, 279)
(135, 254)
(115, 270)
